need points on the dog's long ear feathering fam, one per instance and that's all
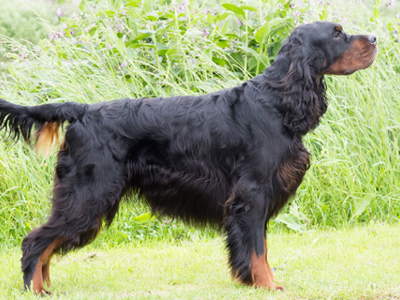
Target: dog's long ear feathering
(304, 100)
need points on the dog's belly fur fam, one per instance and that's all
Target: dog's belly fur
(196, 195)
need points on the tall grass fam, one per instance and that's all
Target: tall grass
(196, 48)
(27, 20)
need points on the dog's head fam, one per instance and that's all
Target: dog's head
(312, 51)
(329, 50)
(344, 53)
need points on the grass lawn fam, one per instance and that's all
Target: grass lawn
(358, 263)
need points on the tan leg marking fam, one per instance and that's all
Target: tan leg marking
(260, 273)
(42, 269)
(46, 270)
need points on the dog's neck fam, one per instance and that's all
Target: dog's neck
(278, 69)
(301, 107)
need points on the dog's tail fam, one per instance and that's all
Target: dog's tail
(20, 120)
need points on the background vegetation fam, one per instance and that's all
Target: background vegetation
(104, 50)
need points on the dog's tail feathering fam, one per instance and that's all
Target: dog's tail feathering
(19, 121)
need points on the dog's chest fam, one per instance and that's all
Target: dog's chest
(293, 168)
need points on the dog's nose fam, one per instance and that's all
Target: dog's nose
(372, 39)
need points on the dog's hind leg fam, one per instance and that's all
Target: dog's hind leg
(46, 270)
(41, 270)
(43, 242)
(79, 207)
(245, 216)
(37, 248)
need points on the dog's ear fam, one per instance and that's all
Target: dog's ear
(304, 98)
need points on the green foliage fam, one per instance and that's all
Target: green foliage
(26, 21)
(115, 49)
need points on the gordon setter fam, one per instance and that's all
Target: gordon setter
(231, 158)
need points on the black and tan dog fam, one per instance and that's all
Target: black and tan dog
(231, 158)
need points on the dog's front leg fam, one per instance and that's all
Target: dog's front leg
(245, 216)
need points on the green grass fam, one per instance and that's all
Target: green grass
(358, 263)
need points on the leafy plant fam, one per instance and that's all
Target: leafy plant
(114, 49)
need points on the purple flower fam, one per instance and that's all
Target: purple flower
(398, 16)
(59, 12)
(73, 16)
(65, 26)
(120, 27)
(87, 29)
(390, 3)
(205, 33)
(183, 6)
(51, 36)
(123, 65)
(239, 22)
(291, 6)
(166, 221)
(123, 12)
(213, 12)
(71, 32)
(206, 11)
(164, 24)
(1, 84)
(110, 47)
